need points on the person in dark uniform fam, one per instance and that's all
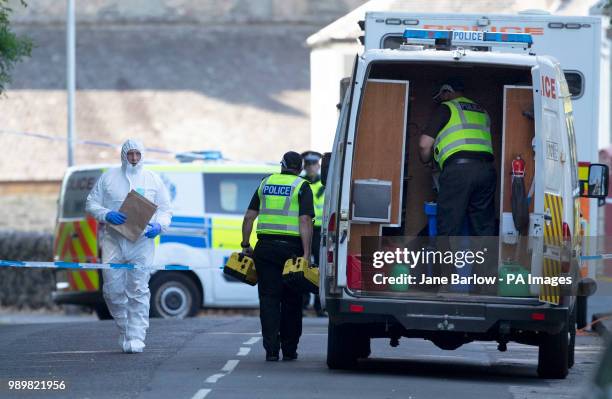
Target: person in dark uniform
(312, 169)
(283, 204)
(458, 136)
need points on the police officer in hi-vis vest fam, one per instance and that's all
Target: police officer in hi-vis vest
(312, 173)
(284, 210)
(459, 138)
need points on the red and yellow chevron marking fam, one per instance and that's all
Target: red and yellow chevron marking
(77, 242)
(553, 237)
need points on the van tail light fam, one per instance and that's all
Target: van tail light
(331, 232)
(567, 234)
(356, 308)
(353, 272)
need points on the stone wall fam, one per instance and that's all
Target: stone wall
(319, 12)
(26, 288)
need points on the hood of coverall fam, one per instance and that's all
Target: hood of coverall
(129, 145)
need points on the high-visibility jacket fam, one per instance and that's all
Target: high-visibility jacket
(318, 199)
(279, 205)
(468, 129)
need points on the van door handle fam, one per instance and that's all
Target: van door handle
(343, 237)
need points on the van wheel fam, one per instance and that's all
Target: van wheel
(581, 311)
(345, 346)
(174, 296)
(553, 355)
(572, 338)
(102, 312)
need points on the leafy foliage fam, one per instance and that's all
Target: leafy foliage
(13, 48)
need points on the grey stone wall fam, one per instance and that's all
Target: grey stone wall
(26, 288)
(317, 12)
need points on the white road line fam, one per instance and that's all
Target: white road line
(70, 352)
(251, 341)
(243, 351)
(201, 394)
(230, 365)
(214, 378)
(231, 333)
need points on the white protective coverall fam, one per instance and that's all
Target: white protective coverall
(126, 292)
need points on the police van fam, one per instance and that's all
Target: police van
(208, 202)
(378, 190)
(580, 46)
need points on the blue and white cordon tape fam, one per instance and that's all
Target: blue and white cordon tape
(77, 265)
(129, 266)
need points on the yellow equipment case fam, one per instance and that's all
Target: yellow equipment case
(298, 274)
(241, 267)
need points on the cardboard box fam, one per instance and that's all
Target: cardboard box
(138, 211)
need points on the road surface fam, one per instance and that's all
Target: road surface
(222, 357)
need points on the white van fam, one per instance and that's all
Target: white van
(376, 186)
(208, 202)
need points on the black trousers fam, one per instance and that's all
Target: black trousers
(467, 189)
(280, 307)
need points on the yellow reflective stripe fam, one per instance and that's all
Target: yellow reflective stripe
(226, 232)
(94, 277)
(76, 244)
(90, 237)
(78, 281)
(62, 239)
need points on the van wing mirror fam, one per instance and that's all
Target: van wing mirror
(325, 167)
(597, 184)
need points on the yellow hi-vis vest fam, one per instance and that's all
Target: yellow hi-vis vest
(468, 129)
(279, 205)
(318, 197)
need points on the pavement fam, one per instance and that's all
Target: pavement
(222, 357)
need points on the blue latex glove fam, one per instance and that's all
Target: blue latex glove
(153, 230)
(115, 217)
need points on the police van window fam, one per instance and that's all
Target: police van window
(575, 83)
(392, 41)
(229, 192)
(77, 188)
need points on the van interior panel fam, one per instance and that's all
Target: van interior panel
(483, 84)
(379, 146)
(519, 131)
(518, 134)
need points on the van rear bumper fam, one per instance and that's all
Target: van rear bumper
(449, 316)
(83, 298)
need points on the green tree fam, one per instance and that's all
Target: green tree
(13, 48)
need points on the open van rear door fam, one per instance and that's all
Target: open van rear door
(550, 157)
(377, 156)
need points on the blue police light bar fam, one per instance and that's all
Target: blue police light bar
(427, 34)
(210, 155)
(466, 38)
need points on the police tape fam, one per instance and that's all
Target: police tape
(595, 257)
(77, 265)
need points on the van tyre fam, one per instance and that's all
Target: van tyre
(572, 338)
(174, 295)
(102, 312)
(345, 346)
(581, 311)
(553, 354)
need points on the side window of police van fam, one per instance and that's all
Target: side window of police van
(229, 193)
(76, 190)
